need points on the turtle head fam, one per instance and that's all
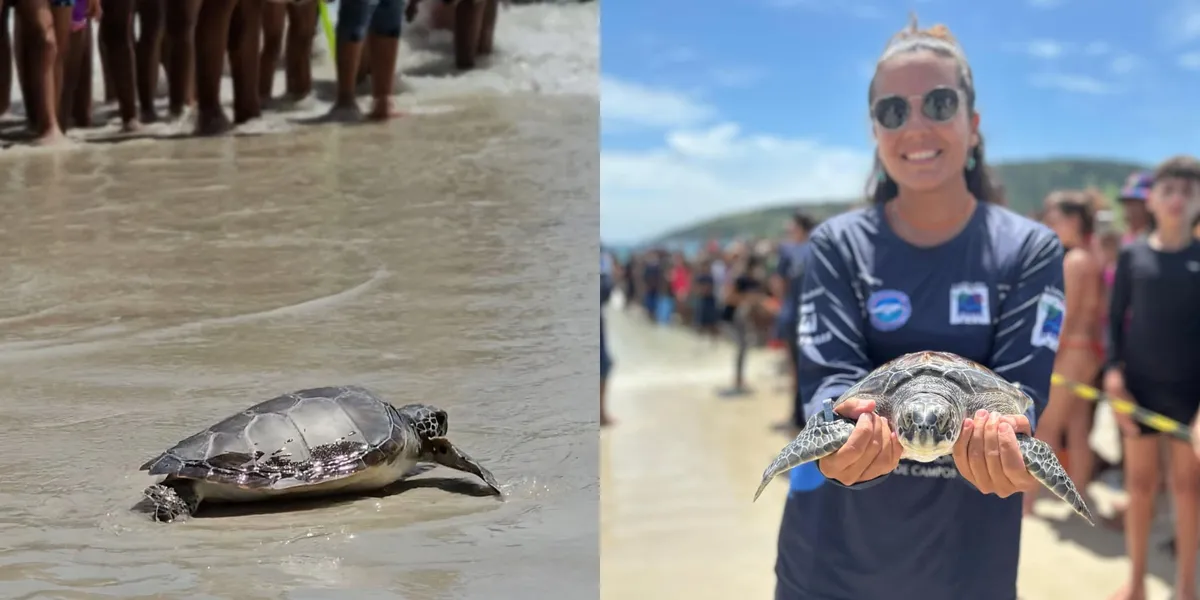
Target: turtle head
(429, 421)
(927, 425)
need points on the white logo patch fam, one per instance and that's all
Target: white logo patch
(1051, 310)
(807, 329)
(808, 319)
(969, 304)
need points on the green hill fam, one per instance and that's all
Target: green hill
(1026, 185)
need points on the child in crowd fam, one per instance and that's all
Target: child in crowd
(1153, 351)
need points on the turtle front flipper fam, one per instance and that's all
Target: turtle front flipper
(1044, 466)
(173, 499)
(818, 439)
(441, 451)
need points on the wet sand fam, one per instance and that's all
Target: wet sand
(155, 287)
(680, 467)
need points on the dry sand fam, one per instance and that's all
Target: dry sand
(679, 467)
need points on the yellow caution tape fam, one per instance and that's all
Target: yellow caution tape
(327, 25)
(1149, 418)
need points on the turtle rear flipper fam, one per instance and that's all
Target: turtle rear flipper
(818, 439)
(1044, 466)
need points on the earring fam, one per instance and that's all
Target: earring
(881, 177)
(970, 163)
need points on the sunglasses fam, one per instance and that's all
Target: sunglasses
(938, 105)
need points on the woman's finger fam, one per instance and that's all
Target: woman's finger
(840, 465)
(975, 454)
(1019, 423)
(887, 458)
(853, 408)
(870, 453)
(991, 454)
(1011, 459)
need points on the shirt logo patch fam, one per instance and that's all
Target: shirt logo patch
(808, 319)
(889, 310)
(1050, 312)
(969, 304)
(807, 329)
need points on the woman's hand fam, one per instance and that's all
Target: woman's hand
(871, 451)
(1114, 387)
(93, 9)
(988, 456)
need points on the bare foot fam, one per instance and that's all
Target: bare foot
(382, 111)
(1130, 592)
(175, 116)
(131, 126)
(213, 124)
(54, 137)
(344, 113)
(287, 102)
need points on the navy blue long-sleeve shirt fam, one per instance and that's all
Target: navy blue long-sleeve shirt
(993, 294)
(1153, 324)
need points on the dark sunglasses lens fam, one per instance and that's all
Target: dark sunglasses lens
(891, 112)
(940, 104)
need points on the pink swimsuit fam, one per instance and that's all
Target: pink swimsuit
(79, 16)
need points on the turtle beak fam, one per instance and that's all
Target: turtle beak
(441, 451)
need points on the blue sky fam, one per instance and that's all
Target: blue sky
(709, 107)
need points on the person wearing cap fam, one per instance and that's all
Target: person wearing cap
(1138, 221)
(1138, 225)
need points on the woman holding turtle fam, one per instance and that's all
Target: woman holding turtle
(933, 264)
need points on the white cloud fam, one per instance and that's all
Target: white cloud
(1182, 24)
(736, 76)
(1079, 84)
(1190, 61)
(864, 11)
(1120, 62)
(675, 55)
(854, 8)
(713, 167)
(1044, 49)
(1124, 64)
(624, 104)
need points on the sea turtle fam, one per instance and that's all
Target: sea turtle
(310, 442)
(925, 396)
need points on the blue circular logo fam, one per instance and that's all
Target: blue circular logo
(889, 309)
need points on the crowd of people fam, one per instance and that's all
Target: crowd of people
(1101, 291)
(191, 41)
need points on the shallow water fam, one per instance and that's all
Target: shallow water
(153, 287)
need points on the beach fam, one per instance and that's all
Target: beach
(680, 465)
(155, 287)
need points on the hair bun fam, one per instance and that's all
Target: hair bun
(940, 32)
(913, 30)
